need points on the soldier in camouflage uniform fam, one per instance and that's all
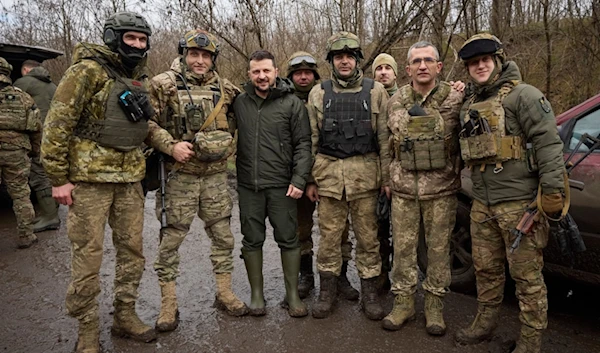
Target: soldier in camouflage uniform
(349, 141)
(91, 153)
(302, 70)
(424, 178)
(37, 83)
(20, 137)
(517, 153)
(385, 71)
(192, 103)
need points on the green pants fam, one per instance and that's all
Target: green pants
(282, 211)
(38, 180)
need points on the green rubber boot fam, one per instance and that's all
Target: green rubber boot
(48, 216)
(290, 261)
(254, 262)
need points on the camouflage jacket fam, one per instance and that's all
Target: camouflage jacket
(527, 114)
(165, 101)
(428, 184)
(357, 176)
(39, 86)
(28, 140)
(83, 90)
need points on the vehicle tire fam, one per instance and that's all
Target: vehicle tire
(463, 270)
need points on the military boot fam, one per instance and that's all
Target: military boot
(383, 282)
(290, 261)
(482, 327)
(307, 278)
(225, 299)
(369, 301)
(168, 319)
(26, 241)
(327, 295)
(254, 262)
(530, 341)
(88, 337)
(48, 216)
(344, 288)
(402, 312)
(127, 324)
(434, 315)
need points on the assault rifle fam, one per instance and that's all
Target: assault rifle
(568, 236)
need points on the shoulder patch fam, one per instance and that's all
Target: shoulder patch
(545, 105)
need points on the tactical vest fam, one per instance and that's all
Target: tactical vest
(347, 129)
(13, 113)
(483, 138)
(115, 130)
(421, 144)
(184, 117)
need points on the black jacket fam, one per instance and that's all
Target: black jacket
(273, 138)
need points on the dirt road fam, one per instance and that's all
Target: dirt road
(33, 283)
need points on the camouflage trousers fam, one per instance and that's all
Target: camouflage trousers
(186, 196)
(38, 180)
(306, 208)
(439, 216)
(93, 204)
(14, 170)
(333, 216)
(492, 240)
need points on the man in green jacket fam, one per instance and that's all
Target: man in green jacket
(510, 141)
(273, 164)
(91, 153)
(36, 81)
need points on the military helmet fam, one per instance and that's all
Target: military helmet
(481, 44)
(302, 60)
(5, 67)
(344, 42)
(197, 38)
(121, 22)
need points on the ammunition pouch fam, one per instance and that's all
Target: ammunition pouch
(490, 149)
(424, 148)
(213, 146)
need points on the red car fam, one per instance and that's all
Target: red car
(585, 209)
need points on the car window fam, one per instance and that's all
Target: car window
(589, 124)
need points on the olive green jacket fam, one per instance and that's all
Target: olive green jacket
(529, 115)
(273, 138)
(84, 89)
(39, 86)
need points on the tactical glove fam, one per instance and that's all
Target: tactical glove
(552, 203)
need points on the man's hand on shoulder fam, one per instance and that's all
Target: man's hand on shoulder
(62, 194)
(183, 151)
(457, 85)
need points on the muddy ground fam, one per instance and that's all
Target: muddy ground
(33, 283)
